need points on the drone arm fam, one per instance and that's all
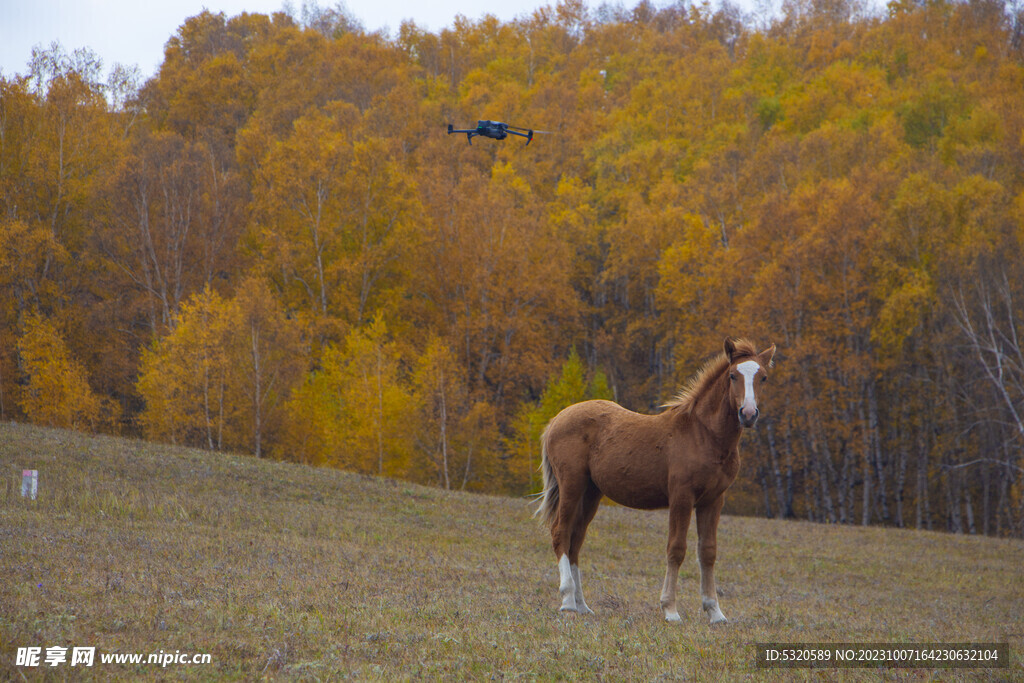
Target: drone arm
(470, 132)
(528, 134)
(495, 130)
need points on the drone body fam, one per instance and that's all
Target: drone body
(496, 130)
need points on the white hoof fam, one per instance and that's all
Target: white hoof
(581, 604)
(713, 611)
(566, 585)
(672, 616)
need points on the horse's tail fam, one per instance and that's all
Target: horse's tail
(549, 496)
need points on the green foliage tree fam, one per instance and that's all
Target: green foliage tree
(571, 385)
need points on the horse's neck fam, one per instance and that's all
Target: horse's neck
(717, 416)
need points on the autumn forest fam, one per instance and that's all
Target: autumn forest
(271, 246)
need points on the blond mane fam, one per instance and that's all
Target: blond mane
(709, 374)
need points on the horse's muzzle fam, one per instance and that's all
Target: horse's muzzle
(748, 419)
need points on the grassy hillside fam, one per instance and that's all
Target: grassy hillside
(285, 571)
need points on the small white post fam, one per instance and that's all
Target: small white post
(29, 483)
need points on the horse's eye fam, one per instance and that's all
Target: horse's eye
(732, 376)
(764, 379)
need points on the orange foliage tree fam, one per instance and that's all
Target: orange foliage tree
(272, 245)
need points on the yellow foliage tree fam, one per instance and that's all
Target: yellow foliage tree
(457, 435)
(263, 350)
(183, 377)
(57, 393)
(220, 377)
(26, 254)
(355, 412)
(442, 393)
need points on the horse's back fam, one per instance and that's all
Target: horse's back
(587, 422)
(616, 448)
(569, 433)
(584, 416)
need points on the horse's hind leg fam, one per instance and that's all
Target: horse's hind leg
(572, 483)
(707, 549)
(589, 506)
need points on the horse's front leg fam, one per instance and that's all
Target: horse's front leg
(678, 523)
(707, 549)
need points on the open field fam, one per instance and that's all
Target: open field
(284, 571)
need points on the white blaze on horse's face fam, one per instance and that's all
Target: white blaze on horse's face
(746, 373)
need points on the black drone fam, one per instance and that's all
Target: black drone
(495, 130)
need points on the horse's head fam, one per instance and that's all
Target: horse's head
(747, 377)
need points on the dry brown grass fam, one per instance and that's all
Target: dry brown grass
(284, 571)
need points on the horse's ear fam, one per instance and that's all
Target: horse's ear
(730, 348)
(766, 357)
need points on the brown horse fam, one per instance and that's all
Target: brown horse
(682, 458)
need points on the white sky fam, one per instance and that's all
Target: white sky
(134, 31)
